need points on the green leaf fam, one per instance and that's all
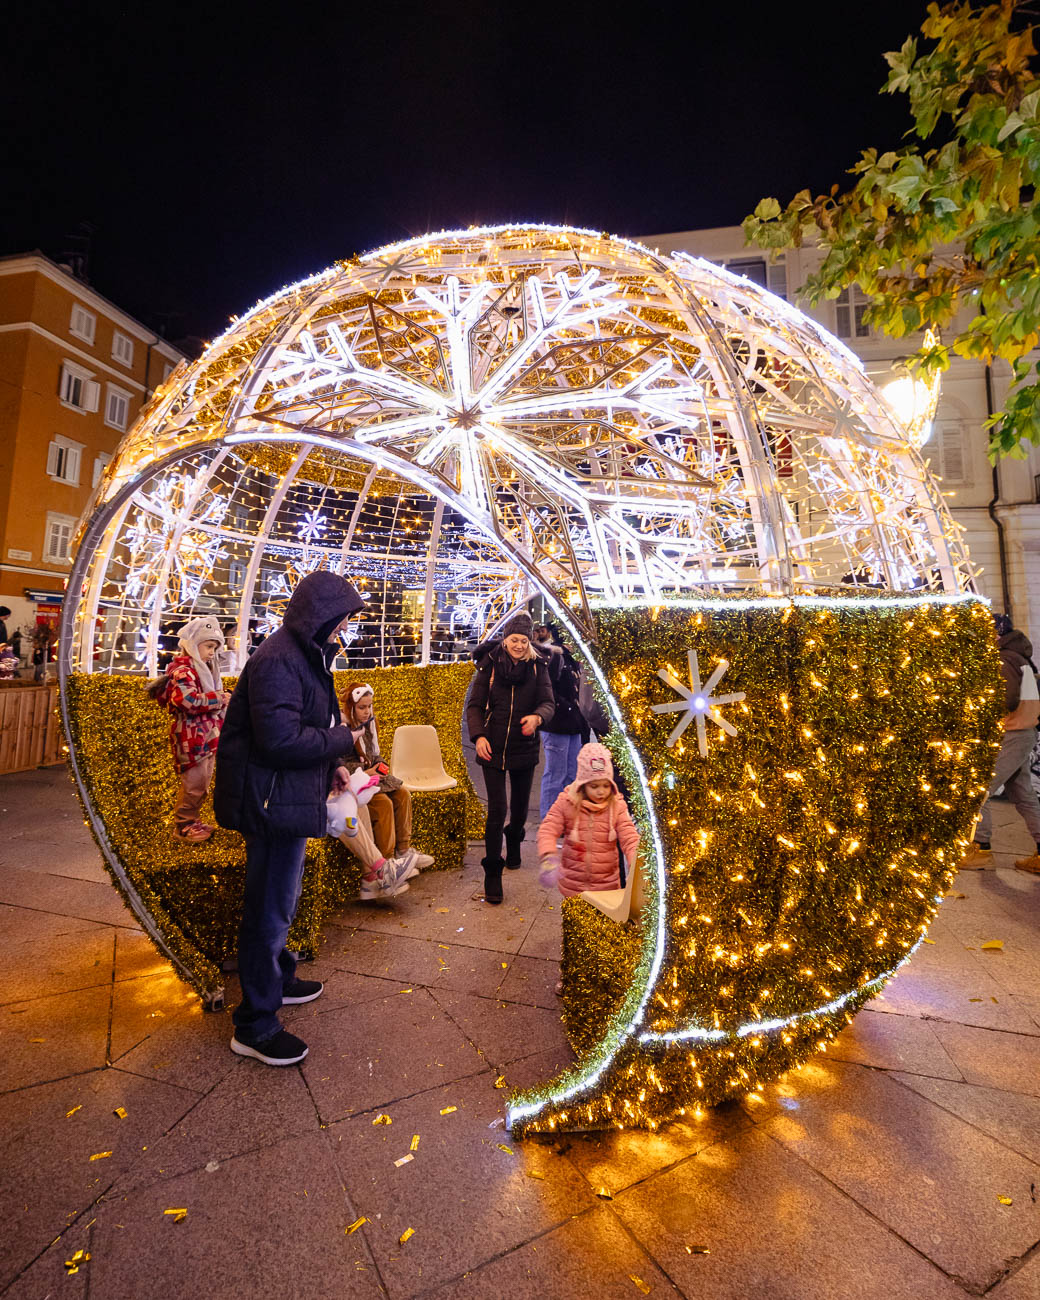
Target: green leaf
(768, 209)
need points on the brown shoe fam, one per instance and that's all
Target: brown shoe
(976, 859)
(1029, 865)
(193, 833)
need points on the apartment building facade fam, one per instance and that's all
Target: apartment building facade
(998, 507)
(74, 373)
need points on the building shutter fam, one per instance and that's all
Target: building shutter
(777, 272)
(91, 394)
(53, 458)
(952, 452)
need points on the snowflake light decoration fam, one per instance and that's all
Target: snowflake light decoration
(697, 702)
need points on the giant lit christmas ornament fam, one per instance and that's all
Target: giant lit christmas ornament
(740, 538)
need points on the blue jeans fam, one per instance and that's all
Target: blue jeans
(561, 767)
(274, 877)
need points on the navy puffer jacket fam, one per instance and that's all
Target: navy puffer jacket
(277, 748)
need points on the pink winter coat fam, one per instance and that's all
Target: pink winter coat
(590, 859)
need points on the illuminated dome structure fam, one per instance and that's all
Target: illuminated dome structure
(702, 484)
(459, 421)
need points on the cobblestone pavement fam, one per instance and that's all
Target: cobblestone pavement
(882, 1170)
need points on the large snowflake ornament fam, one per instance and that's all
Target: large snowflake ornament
(697, 702)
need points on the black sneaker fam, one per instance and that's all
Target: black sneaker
(282, 1048)
(302, 991)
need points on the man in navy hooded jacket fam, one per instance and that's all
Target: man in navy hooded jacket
(280, 754)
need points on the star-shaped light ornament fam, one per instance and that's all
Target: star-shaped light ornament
(698, 702)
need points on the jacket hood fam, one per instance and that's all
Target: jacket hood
(1016, 643)
(320, 600)
(190, 637)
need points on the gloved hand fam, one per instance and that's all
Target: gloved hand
(549, 871)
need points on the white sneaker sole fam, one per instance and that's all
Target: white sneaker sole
(295, 1002)
(381, 894)
(423, 861)
(243, 1049)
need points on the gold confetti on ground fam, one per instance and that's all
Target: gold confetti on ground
(500, 1082)
(177, 1215)
(449, 1110)
(605, 1194)
(442, 909)
(408, 1232)
(382, 1119)
(101, 1155)
(353, 1227)
(640, 1284)
(403, 1160)
(536, 1173)
(1005, 1200)
(415, 1142)
(69, 1113)
(993, 945)
(37, 1040)
(508, 1150)
(697, 1250)
(80, 1257)
(120, 1112)
(931, 941)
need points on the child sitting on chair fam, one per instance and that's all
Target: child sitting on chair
(192, 692)
(386, 820)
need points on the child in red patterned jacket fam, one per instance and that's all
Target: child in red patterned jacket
(194, 695)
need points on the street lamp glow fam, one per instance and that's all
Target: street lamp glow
(910, 400)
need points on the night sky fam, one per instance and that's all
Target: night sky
(221, 150)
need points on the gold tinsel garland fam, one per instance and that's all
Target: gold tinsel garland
(193, 892)
(804, 857)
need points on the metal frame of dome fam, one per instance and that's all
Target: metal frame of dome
(619, 425)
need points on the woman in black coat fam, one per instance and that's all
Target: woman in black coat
(511, 698)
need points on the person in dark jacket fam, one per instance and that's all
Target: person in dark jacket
(1022, 709)
(510, 699)
(281, 750)
(565, 733)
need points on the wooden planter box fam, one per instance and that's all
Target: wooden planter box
(30, 729)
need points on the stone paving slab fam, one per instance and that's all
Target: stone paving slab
(468, 1192)
(247, 1232)
(869, 1173)
(930, 1176)
(747, 1219)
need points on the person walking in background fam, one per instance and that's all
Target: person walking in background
(1022, 701)
(511, 698)
(5, 614)
(566, 731)
(281, 750)
(193, 694)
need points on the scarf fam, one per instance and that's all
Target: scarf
(368, 751)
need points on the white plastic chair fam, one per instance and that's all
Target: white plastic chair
(620, 904)
(415, 759)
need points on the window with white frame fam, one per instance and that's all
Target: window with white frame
(100, 461)
(83, 323)
(63, 460)
(78, 388)
(770, 275)
(849, 307)
(58, 539)
(236, 575)
(122, 348)
(167, 371)
(117, 407)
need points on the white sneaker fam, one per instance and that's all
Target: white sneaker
(407, 864)
(388, 882)
(423, 861)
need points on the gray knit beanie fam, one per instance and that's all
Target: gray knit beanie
(519, 625)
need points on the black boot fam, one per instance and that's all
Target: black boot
(513, 841)
(492, 879)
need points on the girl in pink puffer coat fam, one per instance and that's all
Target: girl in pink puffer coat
(591, 817)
